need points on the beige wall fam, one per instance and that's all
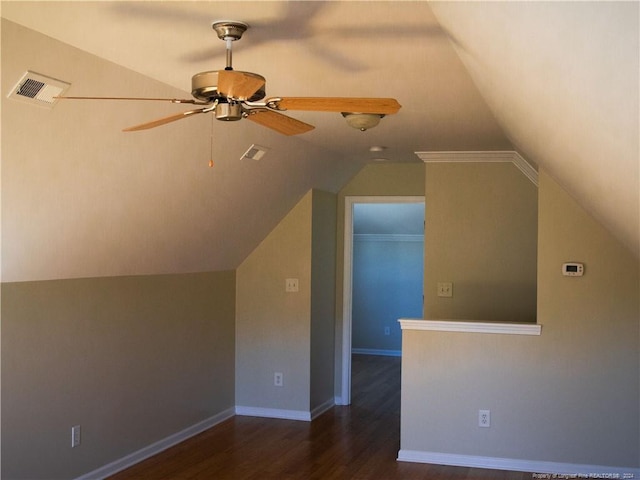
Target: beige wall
(323, 281)
(291, 333)
(570, 395)
(481, 222)
(99, 352)
(130, 359)
(272, 325)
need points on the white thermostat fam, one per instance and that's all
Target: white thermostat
(572, 269)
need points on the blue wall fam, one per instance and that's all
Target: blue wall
(387, 269)
(387, 285)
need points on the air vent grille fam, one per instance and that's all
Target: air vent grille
(38, 89)
(30, 88)
(255, 152)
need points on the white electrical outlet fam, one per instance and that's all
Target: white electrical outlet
(484, 418)
(278, 379)
(75, 436)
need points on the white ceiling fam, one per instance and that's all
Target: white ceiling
(556, 81)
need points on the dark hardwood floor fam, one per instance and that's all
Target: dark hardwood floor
(360, 441)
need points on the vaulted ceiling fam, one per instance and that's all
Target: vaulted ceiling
(558, 82)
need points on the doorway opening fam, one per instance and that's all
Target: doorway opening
(383, 276)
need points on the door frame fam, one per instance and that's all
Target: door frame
(347, 289)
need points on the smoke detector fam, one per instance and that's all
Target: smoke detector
(38, 89)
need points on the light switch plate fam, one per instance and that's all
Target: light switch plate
(291, 285)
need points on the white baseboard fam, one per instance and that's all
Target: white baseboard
(376, 351)
(157, 447)
(301, 415)
(517, 465)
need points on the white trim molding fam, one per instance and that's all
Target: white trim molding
(477, 157)
(157, 447)
(302, 415)
(471, 327)
(518, 465)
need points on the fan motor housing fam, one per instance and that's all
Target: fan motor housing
(204, 86)
(228, 112)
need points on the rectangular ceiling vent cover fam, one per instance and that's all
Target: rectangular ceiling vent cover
(255, 152)
(38, 89)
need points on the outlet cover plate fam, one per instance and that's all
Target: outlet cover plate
(445, 289)
(484, 418)
(291, 285)
(75, 436)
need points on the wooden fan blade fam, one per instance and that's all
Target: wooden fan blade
(239, 85)
(384, 106)
(172, 100)
(162, 121)
(279, 122)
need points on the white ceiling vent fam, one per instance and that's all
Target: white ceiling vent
(255, 152)
(38, 89)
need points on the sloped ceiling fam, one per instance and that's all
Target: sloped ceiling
(562, 79)
(80, 198)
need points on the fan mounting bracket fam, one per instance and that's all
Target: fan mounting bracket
(229, 29)
(271, 103)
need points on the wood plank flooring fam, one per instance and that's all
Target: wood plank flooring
(360, 441)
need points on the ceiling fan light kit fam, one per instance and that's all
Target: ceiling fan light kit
(377, 148)
(235, 95)
(362, 121)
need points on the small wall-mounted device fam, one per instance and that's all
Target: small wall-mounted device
(572, 269)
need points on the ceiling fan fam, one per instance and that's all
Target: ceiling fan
(233, 95)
